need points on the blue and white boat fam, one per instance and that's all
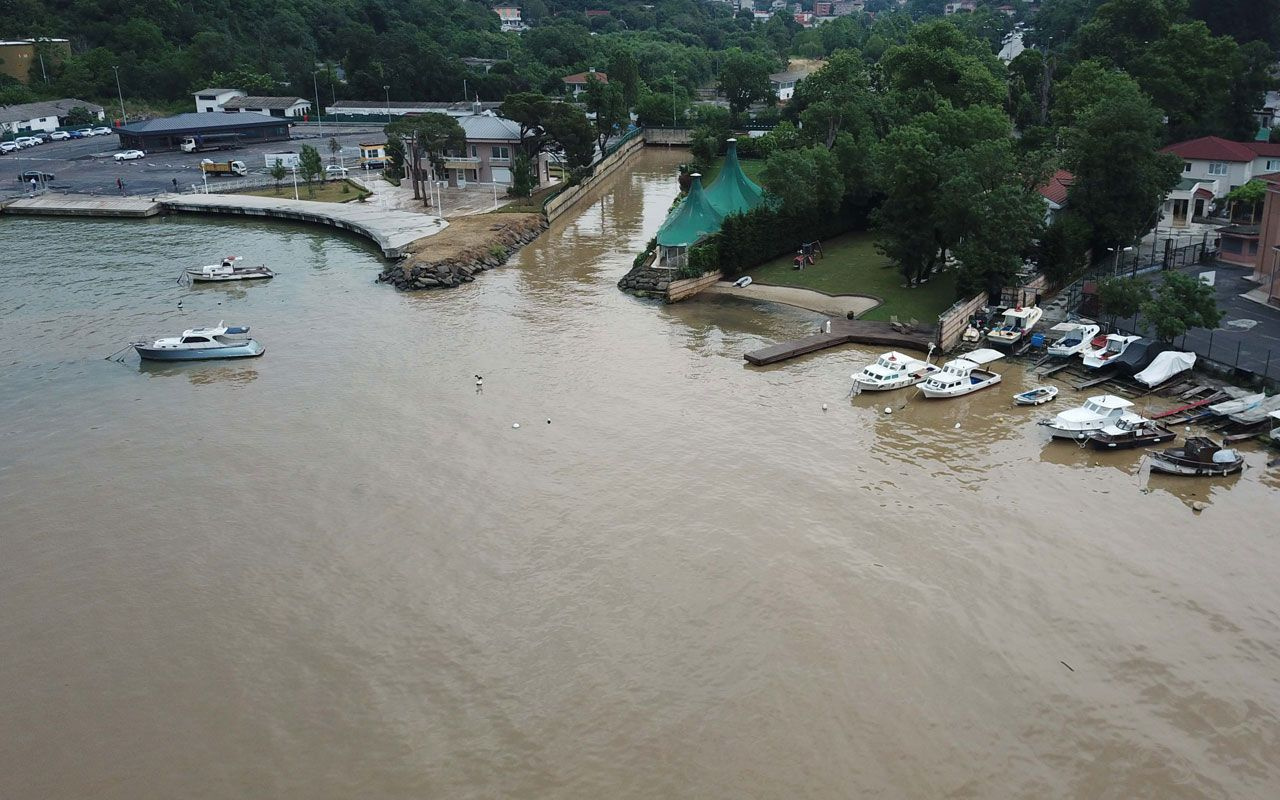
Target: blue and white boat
(198, 344)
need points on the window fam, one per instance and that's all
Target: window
(1217, 168)
(1273, 164)
(194, 340)
(1186, 166)
(500, 153)
(473, 151)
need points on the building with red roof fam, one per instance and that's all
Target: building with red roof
(1211, 168)
(577, 83)
(1054, 191)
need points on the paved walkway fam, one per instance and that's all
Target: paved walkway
(821, 302)
(392, 229)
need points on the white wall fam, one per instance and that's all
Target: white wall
(1238, 174)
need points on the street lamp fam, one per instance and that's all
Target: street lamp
(387, 90)
(1115, 269)
(120, 94)
(673, 99)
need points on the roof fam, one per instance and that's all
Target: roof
(1204, 192)
(1265, 148)
(193, 122)
(1270, 177)
(1211, 148)
(1055, 189)
(733, 192)
(1243, 231)
(45, 108)
(215, 90)
(458, 105)
(581, 77)
(691, 221)
(790, 76)
(486, 126)
(264, 102)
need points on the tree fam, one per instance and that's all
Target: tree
(1249, 196)
(659, 107)
(335, 148)
(430, 137)
(1122, 298)
(79, 115)
(605, 100)
(624, 72)
(1181, 303)
(246, 80)
(838, 97)
(940, 63)
(311, 166)
(521, 176)
(806, 180)
(277, 173)
(744, 79)
(569, 129)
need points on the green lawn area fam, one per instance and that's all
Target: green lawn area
(327, 192)
(750, 167)
(852, 266)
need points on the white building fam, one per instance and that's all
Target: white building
(287, 107)
(43, 116)
(1211, 168)
(509, 16)
(383, 109)
(208, 100)
(784, 83)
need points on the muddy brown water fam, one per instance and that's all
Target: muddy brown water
(338, 571)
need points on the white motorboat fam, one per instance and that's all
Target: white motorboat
(1103, 356)
(1275, 432)
(893, 370)
(1097, 413)
(962, 375)
(229, 270)
(1075, 338)
(199, 344)
(1014, 326)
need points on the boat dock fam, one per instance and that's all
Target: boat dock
(392, 230)
(844, 331)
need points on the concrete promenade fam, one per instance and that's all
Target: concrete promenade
(392, 230)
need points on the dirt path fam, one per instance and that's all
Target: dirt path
(834, 305)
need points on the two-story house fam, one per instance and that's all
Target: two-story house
(1211, 168)
(509, 17)
(576, 84)
(213, 99)
(492, 144)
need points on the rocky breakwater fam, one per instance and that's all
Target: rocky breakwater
(646, 282)
(469, 246)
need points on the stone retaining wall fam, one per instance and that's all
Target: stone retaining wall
(420, 271)
(645, 281)
(953, 321)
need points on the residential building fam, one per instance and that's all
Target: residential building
(804, 19)
(286, 107)
(844, 8)
(1269, 114)
(213, 99)
(1054, 191)
(577, 84)
(167, 133)
(382, 109)
(960, 7)
(509, 15)
(1266, 266)
(373, 155)
(1211, 168)
(784, 83)
(823, 9)
(18, 57)
(47, 115)
(1238, 244)
(492, 144)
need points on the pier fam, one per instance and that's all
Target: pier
(844, 331)
(391, 229)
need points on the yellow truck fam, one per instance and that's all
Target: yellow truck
(212, 168)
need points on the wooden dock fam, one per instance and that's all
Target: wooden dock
(844, 331)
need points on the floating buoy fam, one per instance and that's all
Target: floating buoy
(515, 424)
(957, 426)
(824, 406)
(888, 410)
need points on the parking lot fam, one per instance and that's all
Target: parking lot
(86, 166)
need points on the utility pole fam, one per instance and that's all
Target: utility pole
(120, 94)
(673, 99)
(316, 87)
(387, 89)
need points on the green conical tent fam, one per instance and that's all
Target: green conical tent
(733, 192)
(692, 220)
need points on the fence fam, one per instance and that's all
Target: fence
(1235, 354)
(953, 321)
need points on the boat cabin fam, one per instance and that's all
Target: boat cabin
(1115, 345)
(1107, 405)
(954, 372)
(1015, 319)
(890, 366)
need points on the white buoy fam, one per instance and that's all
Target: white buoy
(824, 406)
(957, 426)
(888, 410)
(515, 424)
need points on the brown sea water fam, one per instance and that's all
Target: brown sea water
(337, 571)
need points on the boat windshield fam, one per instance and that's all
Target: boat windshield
(1115, 345)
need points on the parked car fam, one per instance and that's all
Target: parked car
(9, 147)
(335, 171)
(86, 132)
(26, 141)
(35, 175)
(130, 155)
(58, 136)
(43, 136)
(79, 134)
(100, 131)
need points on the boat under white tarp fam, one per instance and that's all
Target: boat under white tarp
(1259, 412)
(1237, 405)
(1165, 366)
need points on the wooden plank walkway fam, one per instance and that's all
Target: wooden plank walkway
(843, 331)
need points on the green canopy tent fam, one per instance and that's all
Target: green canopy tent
(693, 220)
(733, 192)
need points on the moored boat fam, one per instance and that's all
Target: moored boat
(892, 370)
(1075, 338)
(1014, 326)
(229, 270)
(1097, 413)
(198, 344)
(962, 376)
(1125, 434)
(1103, 356)
(1199, 455)
(1036, 396)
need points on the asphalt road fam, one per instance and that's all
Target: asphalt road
(86, 165)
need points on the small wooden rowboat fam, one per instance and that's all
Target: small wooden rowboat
(1036, 396)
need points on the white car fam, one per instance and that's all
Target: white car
(335, 171)
(130, 155)
(99, 131)
(9, 147)
(58, 136)
(86, 132)
(26, 141)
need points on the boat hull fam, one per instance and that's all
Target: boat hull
(888, 386)
(249, 349)
(1074, 434)
(200, 277)
(1103, 442)
(961, 390)
(1205, 470)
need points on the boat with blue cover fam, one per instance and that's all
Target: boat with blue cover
(199, 344)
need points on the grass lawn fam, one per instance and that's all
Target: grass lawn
(327, 192)
(750, 167)
(852, 266)
(528, 205)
